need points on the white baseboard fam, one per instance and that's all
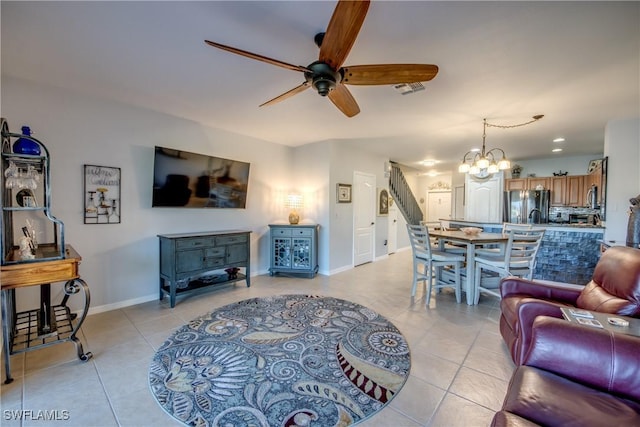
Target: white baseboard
(123, 304)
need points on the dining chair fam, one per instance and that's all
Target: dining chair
(448, 246)
(507, 227)
(518, 259)
(426, 260)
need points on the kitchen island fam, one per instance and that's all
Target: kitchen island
(569, 253)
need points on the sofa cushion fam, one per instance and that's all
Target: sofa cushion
(615, 286)
(548, 399)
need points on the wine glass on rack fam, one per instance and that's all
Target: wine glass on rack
(12, 176)
(113, 211)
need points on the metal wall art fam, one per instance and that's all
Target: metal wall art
(101, 195)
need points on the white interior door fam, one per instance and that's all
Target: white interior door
(392, 239)
(458, 202)
(484, 198)
(438, 205)
(364, 211)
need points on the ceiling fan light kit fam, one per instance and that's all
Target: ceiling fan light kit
(327, 76)
(484, 163)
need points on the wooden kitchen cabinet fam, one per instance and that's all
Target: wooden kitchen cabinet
(515, 184)
(558, 187)
(526, 183)
(535, 182)
(576, 193)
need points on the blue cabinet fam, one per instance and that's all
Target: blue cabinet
(294, 249)
(186, 258)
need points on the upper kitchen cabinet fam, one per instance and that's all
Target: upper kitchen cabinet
(576, 193)
(532, 183)
(517, 184)
(538, 183)
(558, 187)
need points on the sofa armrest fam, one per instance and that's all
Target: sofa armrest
(553, 291)
(597, 358)
(528, 310)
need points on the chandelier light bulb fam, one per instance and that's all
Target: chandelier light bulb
(504, 164)
(483, 163)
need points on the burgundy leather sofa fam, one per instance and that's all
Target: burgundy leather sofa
(574, 376)
(614, 288)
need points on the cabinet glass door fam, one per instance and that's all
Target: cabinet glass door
(302, 253)
(282, 252)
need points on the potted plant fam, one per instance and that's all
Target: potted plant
(515, 171)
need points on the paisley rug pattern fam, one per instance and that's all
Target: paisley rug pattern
(287, 360)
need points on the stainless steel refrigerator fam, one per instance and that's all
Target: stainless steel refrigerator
(527, 206)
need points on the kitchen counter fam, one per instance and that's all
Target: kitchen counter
(497, 227)
(569, 252)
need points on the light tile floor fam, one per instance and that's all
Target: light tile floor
(459, 374)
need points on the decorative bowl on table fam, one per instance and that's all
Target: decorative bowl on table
(471, 231)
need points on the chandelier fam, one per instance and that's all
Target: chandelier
(484, 163)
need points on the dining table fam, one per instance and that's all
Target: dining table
(471, 241)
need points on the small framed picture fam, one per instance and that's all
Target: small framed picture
(344, 193)
(383, 202)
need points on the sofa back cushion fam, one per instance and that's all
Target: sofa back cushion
(615, 287)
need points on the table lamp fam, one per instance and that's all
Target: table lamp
(294, 202)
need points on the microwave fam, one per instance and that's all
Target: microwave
(580, 218)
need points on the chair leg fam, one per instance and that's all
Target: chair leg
(476, 284)
(415, 278)
(429, 283)
(458, 283)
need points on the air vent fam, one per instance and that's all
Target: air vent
(407, 88)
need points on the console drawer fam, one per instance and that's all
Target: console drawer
(195, 243)
(228, 240)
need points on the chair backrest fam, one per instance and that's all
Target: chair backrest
(522, 247)
(420, 243)
(431, 225)
(510, 226)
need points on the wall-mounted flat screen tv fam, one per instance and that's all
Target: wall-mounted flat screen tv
(191, 180)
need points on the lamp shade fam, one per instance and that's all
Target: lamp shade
(294, 201)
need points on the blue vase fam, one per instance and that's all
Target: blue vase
(26, 145)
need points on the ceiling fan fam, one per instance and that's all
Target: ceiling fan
(327, 75)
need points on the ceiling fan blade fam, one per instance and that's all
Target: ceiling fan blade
(342, 31)
(342, 98)
(287, 94)
(387, 74)
(258, 57)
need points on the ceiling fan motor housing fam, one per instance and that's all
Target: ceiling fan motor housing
(323, 78)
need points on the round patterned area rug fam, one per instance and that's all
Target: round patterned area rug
(288, 360)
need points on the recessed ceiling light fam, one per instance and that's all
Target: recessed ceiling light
(558, 140)
(432, 173)
(474, 150)
(556, 150)
(430, 162)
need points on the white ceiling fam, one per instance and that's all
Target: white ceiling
(575, 62)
